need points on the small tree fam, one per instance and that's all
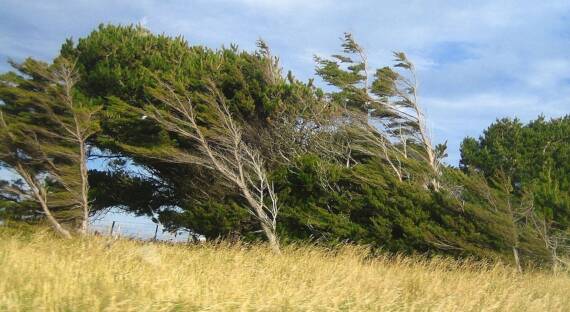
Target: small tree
(350, 73)
(406, 119)
(384, 108)
(20, 155)
(223, 151)
(48, 125)
(515, 213)
(541, 215)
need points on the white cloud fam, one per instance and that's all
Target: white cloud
(548, 73)
(285, 5)
(518, 61)
(483, 103)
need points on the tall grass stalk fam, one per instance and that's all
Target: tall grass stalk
(39, 272)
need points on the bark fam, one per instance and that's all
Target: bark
(272, 239)
(84, 189)
(517, 259)
(237, 162)
(78, 133)
(39, 194)
(267, 225)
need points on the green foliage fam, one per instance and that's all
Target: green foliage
(321, 199)
(367, 204)
(535, 157)
(534, 160)
(348, 73)
(332, 183)
(45, 124)
(122, 66)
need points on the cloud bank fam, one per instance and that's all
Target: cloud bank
(477, 61)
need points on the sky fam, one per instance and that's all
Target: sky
(128, 225)
(477, 60)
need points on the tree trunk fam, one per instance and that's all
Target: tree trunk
(41, 199)
(554, 259)
(517, 259)
(84, 188)
(268, 230)
(271, 238)
(55, 224)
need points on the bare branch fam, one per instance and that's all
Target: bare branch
(226, 153)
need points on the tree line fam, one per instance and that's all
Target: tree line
(222, 143)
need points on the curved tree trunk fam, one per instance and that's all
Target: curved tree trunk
(40, 196)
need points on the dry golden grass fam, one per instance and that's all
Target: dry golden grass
(42, 273)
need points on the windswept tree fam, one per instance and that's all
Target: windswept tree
(220, 148)
(47, 125)
(20, 155)
(337, 160)
(349, 72)
(391, 118)
(121, 64)
(534, 160)
(406, 120)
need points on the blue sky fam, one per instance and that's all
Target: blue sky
(477, 60)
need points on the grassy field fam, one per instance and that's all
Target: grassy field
(41, 273)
